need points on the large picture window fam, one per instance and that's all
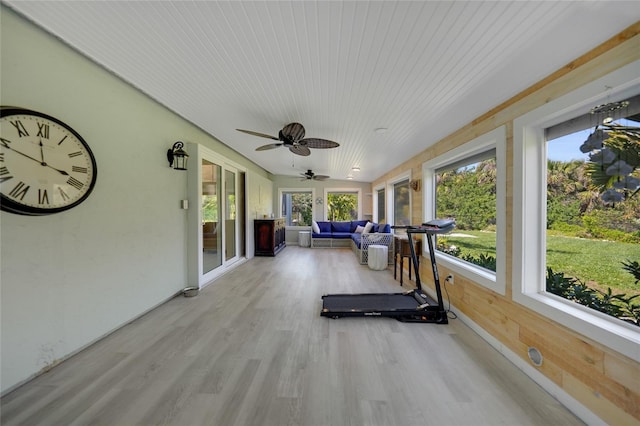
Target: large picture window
(296, 207)
(343, 205)
(468, 184)
(592, 210)
(466, 192)
(541, 217)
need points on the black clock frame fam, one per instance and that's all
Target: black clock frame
(10, 206)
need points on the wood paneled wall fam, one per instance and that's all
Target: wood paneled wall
(603, 380)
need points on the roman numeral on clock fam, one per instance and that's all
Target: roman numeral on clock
(79, 169)
(43, 196)
(75, 183)
(74, 154)
(20, 128)
(43, 130)
(5, 174)
(63, 194)
(19, 191)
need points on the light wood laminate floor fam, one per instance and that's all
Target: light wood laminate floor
(252, 349)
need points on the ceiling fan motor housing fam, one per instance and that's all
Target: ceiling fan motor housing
(285, 139)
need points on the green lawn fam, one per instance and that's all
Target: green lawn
(595, 262)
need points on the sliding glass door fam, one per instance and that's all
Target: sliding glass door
(231, 210)
(211, 211)
(214, 222)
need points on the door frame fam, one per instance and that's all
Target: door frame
(194, 251)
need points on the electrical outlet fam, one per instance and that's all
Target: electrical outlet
(449, 279)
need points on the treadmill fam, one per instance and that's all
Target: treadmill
(409, 306)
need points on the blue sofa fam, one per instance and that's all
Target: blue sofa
(343, 234)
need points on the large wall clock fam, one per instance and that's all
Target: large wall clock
(45, 166)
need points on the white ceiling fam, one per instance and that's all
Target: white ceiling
(342, 69)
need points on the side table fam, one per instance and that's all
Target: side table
(378, 256)
(304, 238)
(402, 251)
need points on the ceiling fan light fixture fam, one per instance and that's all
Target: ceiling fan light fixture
(349, 177)
(355, 168)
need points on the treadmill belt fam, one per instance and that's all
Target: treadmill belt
(369, 302)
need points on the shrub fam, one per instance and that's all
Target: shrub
(486, 261)
(633, 268)
(443, 246)
(568, 229)
(619, 305)
(483, 260)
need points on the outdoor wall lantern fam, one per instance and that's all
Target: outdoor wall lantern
(177, 156)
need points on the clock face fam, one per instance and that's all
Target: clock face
(45, 166)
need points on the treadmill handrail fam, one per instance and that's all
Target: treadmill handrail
(436, 226)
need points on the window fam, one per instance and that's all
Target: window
(296, 207)
(530, 206)
(466, 192)
(398, 201)
(379, 205)
(343, 205)
(591, 243)
(401, 203)
(468, 184)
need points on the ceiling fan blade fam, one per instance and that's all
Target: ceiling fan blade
(300, 150)
(269, 146)
(319, 143)
(293, 131)
(262, 135)
(320, 177)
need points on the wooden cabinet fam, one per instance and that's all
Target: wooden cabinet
(269, 236)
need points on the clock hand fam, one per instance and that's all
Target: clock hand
(42, 163)
(41, 151)
(62, 172)
(23, 154)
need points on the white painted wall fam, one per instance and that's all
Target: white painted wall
(68, 279)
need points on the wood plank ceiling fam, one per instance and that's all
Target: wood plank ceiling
(342, 69)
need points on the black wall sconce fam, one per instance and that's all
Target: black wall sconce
(177, 156)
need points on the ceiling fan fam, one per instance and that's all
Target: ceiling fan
(309, 175)
(292, 137)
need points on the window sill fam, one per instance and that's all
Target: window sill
(602, 328)
(478, 275)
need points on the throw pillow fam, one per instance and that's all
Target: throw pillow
(359, 229)
(367, 228)
(315, 227)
